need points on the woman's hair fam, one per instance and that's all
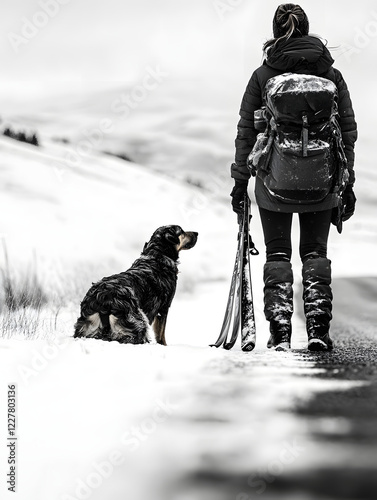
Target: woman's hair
(289, 20)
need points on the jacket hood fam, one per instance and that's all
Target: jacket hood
(304, 54)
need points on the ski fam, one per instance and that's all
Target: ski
(248, 330)
(230, 303)
(240, 305)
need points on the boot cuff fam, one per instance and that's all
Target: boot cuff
(278, 272)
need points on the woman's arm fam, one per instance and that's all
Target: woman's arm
(347, 122)
(246, 133)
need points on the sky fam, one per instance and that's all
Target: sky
(55, 41)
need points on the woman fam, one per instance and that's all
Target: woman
(293, 50)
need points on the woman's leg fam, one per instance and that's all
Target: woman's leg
(314, 233)
(316, 274)
(278, 277)
(277, 235)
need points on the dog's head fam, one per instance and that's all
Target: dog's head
(170, 240)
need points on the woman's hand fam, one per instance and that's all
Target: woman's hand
(349, 199)
(237, 194)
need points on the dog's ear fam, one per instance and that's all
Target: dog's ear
(172, 238)
(172, 234)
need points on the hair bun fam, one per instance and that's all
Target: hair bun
(289, 18)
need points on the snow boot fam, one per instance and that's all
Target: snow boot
(278, 303)
(317, 295)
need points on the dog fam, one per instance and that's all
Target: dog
(122, 306)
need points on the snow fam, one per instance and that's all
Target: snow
(290, 82)
(121, 409)
(313, 144)
(143, 421)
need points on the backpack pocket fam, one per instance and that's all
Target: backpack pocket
(259, 157)
(294, 178)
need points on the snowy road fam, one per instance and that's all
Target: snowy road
(197, 423)
(275, 425)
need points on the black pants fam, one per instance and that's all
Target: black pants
(314, 232)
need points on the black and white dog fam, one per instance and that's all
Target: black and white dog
(122, 306)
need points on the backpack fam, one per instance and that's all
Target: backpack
(300, 155)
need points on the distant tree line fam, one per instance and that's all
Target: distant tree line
(21, 135)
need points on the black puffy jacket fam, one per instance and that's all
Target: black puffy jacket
(308, 55)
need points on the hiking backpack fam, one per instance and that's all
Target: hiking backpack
(300, 155)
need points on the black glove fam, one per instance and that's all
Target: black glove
(237, 194)
(349, 201)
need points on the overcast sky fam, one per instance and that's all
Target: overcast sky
(113, 40)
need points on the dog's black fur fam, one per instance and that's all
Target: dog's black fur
(122, 306)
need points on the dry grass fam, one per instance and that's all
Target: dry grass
(43, 303)
(24, 303)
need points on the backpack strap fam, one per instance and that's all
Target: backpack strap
(305, 134)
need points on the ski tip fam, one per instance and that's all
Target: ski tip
(229, 345)
(248, 347)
